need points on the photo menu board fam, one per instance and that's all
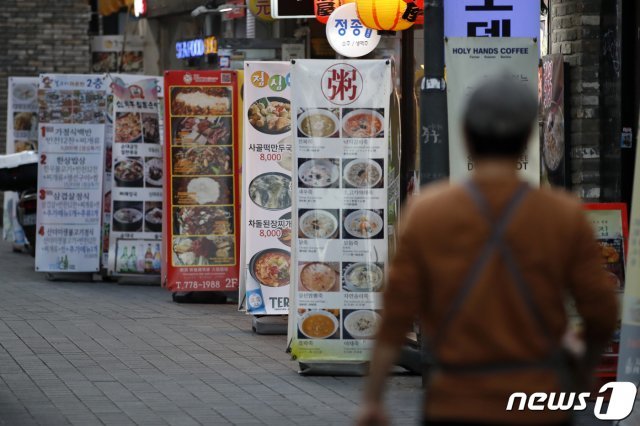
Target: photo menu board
(22, 135)
(137, 180)
(341, 188)
(115, 81)
(609, 221)
(71, 133)
(201, 224)
(267, 188)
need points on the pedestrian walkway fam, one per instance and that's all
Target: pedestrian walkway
(101, 353)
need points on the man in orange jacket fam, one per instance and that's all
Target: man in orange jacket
(486, 265)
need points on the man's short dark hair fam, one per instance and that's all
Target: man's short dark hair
(499, 118)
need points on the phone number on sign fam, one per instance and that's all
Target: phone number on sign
(229, 283)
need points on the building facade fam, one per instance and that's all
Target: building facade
(599, 42)
(41, 36)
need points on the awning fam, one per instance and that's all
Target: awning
(108, 7)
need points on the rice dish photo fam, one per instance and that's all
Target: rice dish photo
(204, 190)
(363, 224)
(318, 123)
(362, 324)
(363, 277)
(319, 276)
(318, 325)
(363, 173)
(318, 224)
(318, 173)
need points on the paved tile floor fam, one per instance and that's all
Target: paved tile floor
(104, 354)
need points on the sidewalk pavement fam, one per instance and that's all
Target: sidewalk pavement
(93, 353)
(98, 353)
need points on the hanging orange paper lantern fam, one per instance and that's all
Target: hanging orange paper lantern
(385, 15)
(261, 9)
(324, 8)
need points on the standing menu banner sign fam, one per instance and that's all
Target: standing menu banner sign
(71, 132)
(137, 170)
(629, 361)
(609, 222)
(267, 187)
(116, 53)
(115, 81)
(22, 135)
(552, 141)
(201, 227)
(341, 191)
(469, 62)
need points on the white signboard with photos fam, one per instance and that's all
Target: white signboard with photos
(137, 180)
(71, 132)
(22, 135)
(340, 216)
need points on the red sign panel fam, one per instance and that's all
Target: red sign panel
(202, 179)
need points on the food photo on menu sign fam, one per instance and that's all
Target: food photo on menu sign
(268, 163)
(341, 198)
(202, 221)
(137, 178)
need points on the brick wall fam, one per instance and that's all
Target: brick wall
(593, 97)
(38, 36)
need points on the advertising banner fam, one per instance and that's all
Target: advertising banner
(136, 196)
(341, 208)
(71, 131)
(267, 165)
(116, 81)
(552, 139)
(492, 18)
(629, 362)
(609, 222)
(469, 62)
(202, 220)
(111, 54)
(22, 135)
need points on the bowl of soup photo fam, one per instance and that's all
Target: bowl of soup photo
(318, 123)
(362, 123)
(318, 324)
